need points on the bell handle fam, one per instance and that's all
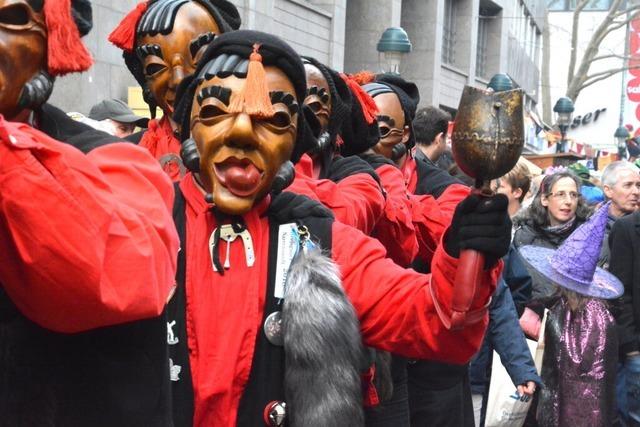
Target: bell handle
(468, 275)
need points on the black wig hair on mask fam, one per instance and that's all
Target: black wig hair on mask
(160, 18)
(374, 89)
(36, 91)
(229, 55)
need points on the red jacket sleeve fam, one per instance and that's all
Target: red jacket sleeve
(87, 240)
(450, 198)
(431, 217)
(356, 200)
(395, 305)
(429, 223)
(395, 227)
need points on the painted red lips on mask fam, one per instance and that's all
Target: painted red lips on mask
(240, 176)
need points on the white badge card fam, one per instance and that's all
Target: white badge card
(288, 242)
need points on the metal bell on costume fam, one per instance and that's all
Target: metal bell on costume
(275, 413)
(273, 328)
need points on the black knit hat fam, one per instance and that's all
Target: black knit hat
(408, 94)
(80, 12)
(229, 55)
(82, 16)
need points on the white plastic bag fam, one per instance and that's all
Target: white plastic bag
(505, 408)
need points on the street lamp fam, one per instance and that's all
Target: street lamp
(394, 44)
(621, 135)
(500, 82)
(564, 111)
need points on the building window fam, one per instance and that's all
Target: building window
(569, 5)
(487, 49)
(481, 51)
(448, 33)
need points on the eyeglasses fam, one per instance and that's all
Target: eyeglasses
(562, 195)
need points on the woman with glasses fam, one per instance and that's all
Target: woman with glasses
(555, 212)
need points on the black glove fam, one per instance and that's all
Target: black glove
(342, 167)
(376, 160)
(287, 207)
(481, 224)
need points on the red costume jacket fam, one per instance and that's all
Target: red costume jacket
(430, 216)
(87, 240)
(161, 142)
(395, 229)
(356, 200)
(224, 312)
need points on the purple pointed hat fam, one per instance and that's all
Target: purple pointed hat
(574, 264)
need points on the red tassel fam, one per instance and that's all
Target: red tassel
(363, 77)
(369, 107)
(65, 50)
(124, 35)
(255, 95)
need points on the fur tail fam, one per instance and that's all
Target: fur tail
(323, 346)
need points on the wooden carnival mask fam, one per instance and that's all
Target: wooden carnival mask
(23, 51)
(242, 150)
(318, 95)
(393, 129)
(168, 57)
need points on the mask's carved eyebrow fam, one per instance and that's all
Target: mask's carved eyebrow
(223, 94)
(386, 119)
(287, 99)
(198, 42)
(147, 50)
(320, 92)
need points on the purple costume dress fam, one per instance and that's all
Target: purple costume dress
(579, 366)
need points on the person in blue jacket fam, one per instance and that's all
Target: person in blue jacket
(505, 336)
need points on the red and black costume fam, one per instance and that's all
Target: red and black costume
(230, 368)
(355, 199)
(88, 252)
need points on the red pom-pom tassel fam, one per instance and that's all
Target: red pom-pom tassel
(369, 107)
(363, 77)
(124, 35)
(65, 51)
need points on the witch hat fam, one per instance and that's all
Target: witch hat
(574, 264)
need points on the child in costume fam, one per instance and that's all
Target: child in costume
(581, 349)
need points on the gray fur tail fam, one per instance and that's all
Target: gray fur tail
(323, 346)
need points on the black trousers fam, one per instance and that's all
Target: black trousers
(395, 411)
(439, 395)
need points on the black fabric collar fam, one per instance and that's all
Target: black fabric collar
(55, 123)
